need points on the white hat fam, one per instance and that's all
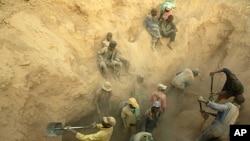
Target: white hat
(109, 120)
(168, 6)
(196, 71)
(161, 86)
(157, 104)
(107, 86)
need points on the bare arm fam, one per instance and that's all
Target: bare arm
(100, 54)
(212, 73)
(123, 116)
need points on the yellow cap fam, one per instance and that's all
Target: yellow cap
(133, 102)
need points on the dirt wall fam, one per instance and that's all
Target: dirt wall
(48, 55)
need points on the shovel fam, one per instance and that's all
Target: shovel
(205, 117)
(211, 98)
(56, 128)
(203, 114)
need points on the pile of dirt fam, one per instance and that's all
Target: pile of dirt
(48, 69)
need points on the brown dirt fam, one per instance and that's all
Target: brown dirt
(48, 68)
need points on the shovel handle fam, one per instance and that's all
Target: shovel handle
(212, 82)
(200, 105)
(211, 89)
(80, 127)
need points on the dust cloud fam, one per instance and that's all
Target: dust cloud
(48, 68)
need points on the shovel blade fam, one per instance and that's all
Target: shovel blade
(54, 129)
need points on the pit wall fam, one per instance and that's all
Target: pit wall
(48, 52)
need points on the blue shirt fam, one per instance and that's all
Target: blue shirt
(152, 22)
(227, 113)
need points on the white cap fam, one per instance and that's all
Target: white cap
(196, 71)
(157, 104)
(161, 86)
(168, 6)
(107, 86)
(109, 120)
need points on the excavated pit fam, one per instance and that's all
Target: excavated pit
(49, 71)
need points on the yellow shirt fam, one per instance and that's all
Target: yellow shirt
(103, 134)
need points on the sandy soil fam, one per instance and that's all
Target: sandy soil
(48, 69)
